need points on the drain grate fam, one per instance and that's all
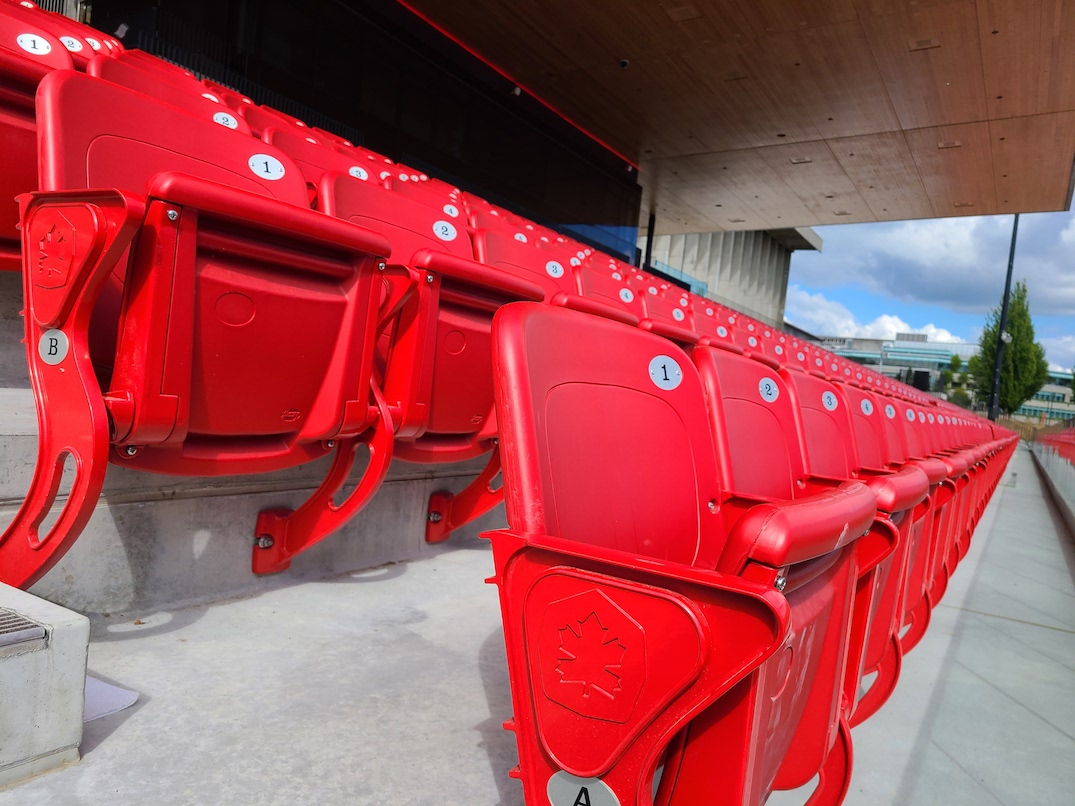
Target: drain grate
(17, 629)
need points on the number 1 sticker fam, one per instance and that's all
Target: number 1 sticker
(266, 166)
(665, 372)
(32, 43)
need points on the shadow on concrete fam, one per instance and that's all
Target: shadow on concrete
(499, 744)
(95, 732)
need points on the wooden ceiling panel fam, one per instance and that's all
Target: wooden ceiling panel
(814, 175)
(1028, 55)
(1032, 161)
(885, 175)
(717, 94)
(956, 167)
(931, 62)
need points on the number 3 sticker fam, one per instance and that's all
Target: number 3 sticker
(768, 389)
(665, 372)
(828, 400)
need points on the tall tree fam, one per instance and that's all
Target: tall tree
(1023, 369)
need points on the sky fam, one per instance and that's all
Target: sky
(937, 276)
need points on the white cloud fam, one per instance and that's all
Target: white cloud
(1060, 352)
(821, 316)
(955, 262)
(1067, 234)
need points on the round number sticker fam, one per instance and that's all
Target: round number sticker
(867, 407)
(224, 119)
(768, 390)
(921, 417)
(33, 43)
(71, 43)
(890, 411)
(833, 367)
(768, 334)
(451, 210)
(800, 356)
(520, 237)
(211, 97)
(722, 332)
(678, 315)
(684, 302)
(858, 376)
(828, 400)
(930, 417)
(358, 172)
(554, 269)
(910, 416)
(708, 311)
(627, 295)
(266, 166)
(575, 261)
(665, 372)
(565, 789)
(753, 342)
(779, 350)
(818, 361)
(444, 230)
(93, 43)
(653, 290)
(53, 346)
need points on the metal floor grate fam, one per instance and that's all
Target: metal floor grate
(17, 629)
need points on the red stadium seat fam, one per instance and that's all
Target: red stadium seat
(621, 536)
(246, 321)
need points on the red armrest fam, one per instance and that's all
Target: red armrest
(788, 532)
(936, 470)
(956, 464)
(596, 307)
(900, 491)
(478, 274)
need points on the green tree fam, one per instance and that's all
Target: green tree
(1023, 369)
(960, 398)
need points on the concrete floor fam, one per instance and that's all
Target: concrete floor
(389, 687)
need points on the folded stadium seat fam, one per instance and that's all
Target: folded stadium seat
(71, 34)
(836, 420)
(758, 440)
(27, 54)
(618, 630)
(437, 371)
(189, 95)
(432, 192)
(662, 315)
(903, 434)
(710, 321)
(199, 253)
(228, 96)
(260, 118)
(609, 287)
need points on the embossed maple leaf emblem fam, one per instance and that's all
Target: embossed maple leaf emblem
(54, 256)
(590, 657)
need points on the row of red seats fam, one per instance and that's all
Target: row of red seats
(214, 288)
(708, 553)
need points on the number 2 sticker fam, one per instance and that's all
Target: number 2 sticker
(665, 372)
(768, 390)
(444, 230)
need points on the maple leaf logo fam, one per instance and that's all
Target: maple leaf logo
(54, 257)
(590, 657)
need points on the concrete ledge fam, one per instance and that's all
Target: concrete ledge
(42, 689)
(166, 541)
(1062, 504)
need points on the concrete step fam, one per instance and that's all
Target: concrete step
(156, 541)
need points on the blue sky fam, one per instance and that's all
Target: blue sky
(937, 276)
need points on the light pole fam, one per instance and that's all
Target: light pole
(1003, 337)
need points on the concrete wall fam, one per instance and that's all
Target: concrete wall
(12, 359)
(745, 270)
(162, 542)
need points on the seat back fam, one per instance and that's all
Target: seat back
(826, 426)
(605, 436)
(242, 345)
